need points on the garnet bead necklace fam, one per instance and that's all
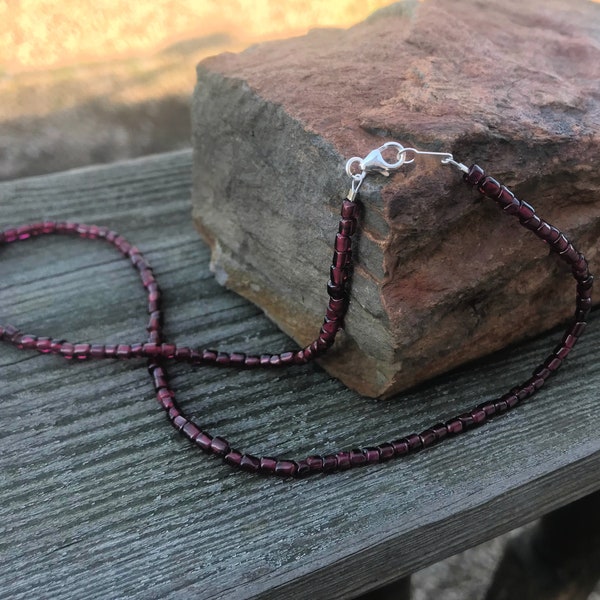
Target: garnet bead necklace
(157, 351)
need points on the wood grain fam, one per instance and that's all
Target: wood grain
(100, 497)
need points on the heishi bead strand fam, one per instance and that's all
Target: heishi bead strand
(157, 351)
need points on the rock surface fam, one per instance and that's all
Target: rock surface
(441, 277)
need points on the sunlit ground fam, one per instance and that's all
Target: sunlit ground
(94, 81)
(134, 51)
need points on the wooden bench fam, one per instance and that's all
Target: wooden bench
(100, 497)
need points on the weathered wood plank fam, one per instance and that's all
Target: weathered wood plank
(99, 497)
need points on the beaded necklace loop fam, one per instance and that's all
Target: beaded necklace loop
(157, 351)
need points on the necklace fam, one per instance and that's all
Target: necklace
(157, 351)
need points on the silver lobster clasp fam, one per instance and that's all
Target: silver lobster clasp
(375, 162)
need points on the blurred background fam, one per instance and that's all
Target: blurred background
(93, 81)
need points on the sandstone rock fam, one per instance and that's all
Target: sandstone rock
(442, 278)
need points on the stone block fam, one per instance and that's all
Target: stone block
(442, 277)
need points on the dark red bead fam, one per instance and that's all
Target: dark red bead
(428, 438)
(342, 243)
(330, 463)
(182, 354)
(337, 276)
(489, 408)
(237, 359)
(467, 420)
(570, 255)
(330, 327)
(252, 361)
(123, 351)
(357, 457)
(10, 235)
(151, 349)
(308, 353)
(577, 328)
(401, 447)
(233, 458)
(583, 291)
(165, 399)
(167, 350)
(569, 340)
(386, 450)
(526, 211)
(81, 351)
(349, 209)
(542, 372)
(315, 463)
(454, 426)
(479, 416)
(28, 342)
(11, 332)
(337, 305)
(209, 356)
(501, 405)
(544, 230)
(159, 379)
(441, 431)
(286, 358)
(474, 175)
(43, 345)
(343, 460)
(136, 350)
(372, 455)
(66, 349)
(513, 397)
(219, 446)
(562, 352)
(507, 200)
(179, 422)
(340, 259)
(285, 468)
(190, 430)
(561, 244)
(347, 227)
(554, 236)
(250, 463)
(267, 464)
(553, 363)
(302, 468)
(204, 440)
(533, 223)
(23, 232)
(490, 187)
(335, 291)
(414, 442)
